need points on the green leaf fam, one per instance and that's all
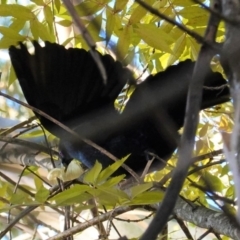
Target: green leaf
(17, 24)
(120, 5)
(38, 2)
(110, 21)
(94, 28)
(87, 8)
(32, 168)
(124, 41)
(75, 194)
(92, 175)
(65, 23)
(42, 195)
(138, 13)
(203, 130)
(136, 190)
(193, 12)
(38, 183)
(214, 181)
(116, 195)
(18, 198)
(150, 34)
(11, 33)
(57, 5)
(178, 49)
(147, 198)
(39, 30)
(225, 170)
(230, 193)
(48, 17)
(107, 172)
(182, 3)
(193, 47)
(113, 181)
(12, 75)
(17, 11)
(68, 40)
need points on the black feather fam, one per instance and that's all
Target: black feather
(67, 85)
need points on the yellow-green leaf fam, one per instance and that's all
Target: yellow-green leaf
(148, 198)
(107, 172)
(92, 175)
(136, 190)
(203, 130)
(65, 23)
(124, 41)
(72, 195)
(38, 2)
(48, 16)
(214, 181)
(154, 36)
(87, 8)
(11, 33)
(193, 12)
(119, 5)
(39, 30)
(110, 21)
(178, 49)
(138, 13)
(17, 11)
(42, 195)
(12, 76)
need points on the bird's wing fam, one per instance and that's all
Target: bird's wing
(66, 83)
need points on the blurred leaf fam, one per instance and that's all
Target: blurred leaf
(119, 5)
(136, 190)
(113, 181)
(32, 168)
(18, 198)
(214, 181)
(65, 23)
(137, 14)
(38, 2)
(38, 183)
(11, 33)
(124, 41)
(182, 3)
(75, 194)
(225, 170)
(230, 193)
(92, 174)
(94, 27)
(110, 21)
(113, 193)
(48, 17)
(12, 76)
(42, 195)
(150, 34)
(107, 172)
(17, 24)
(203, 130)
(88, 7)
(148, 198)
(193, 12)
(178, 49)
(17, 11)
(39, 30)
(74, 170)
(57, 5)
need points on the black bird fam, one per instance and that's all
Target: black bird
(67, 85)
